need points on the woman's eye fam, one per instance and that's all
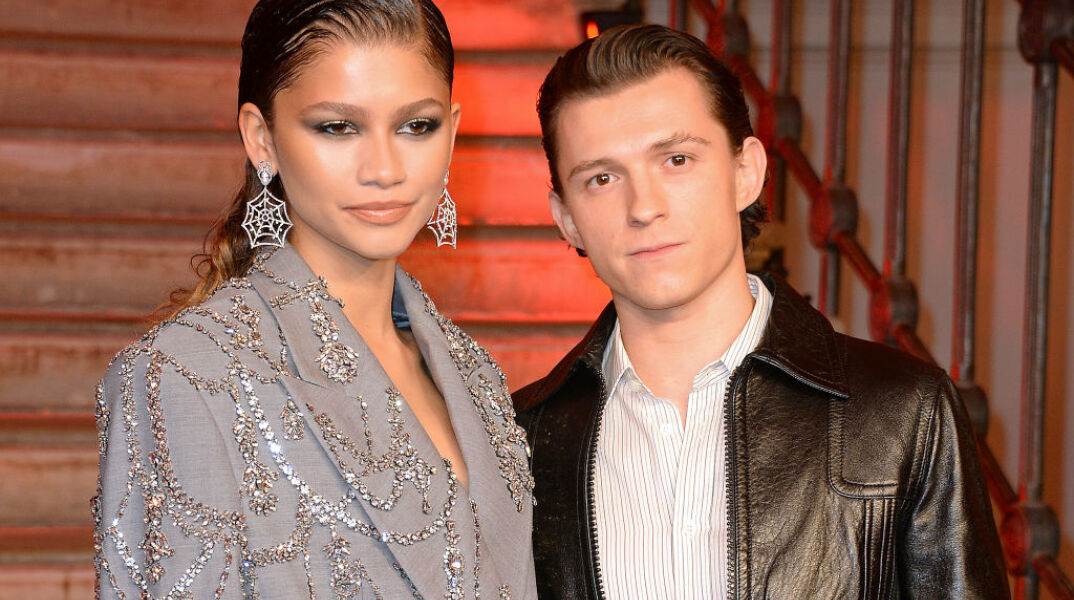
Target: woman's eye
(419, 126)
(337, 128)
(678, 160)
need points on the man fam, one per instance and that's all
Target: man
(712, 436)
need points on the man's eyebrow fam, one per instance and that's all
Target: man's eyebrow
(589, 164)
(675, 139)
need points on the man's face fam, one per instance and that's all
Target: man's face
(652, 190)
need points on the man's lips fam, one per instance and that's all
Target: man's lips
(655, 250)
(380, 213)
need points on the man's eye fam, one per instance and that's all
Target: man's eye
(601, 179)
(419, 126)
(336, 128)
(679, 160)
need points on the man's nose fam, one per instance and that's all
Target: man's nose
(648, 201)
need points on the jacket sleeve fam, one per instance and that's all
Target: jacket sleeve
(163, 472)
(950, 547)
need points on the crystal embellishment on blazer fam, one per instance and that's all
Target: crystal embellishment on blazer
(155, 537)
(338, 360)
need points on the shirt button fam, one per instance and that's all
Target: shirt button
(667, 428)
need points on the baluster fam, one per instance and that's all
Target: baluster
(900, 89)
(893, 311)
(835, 143)
(969, 156)
(1036, 519)
(787, 116)
(1030, 528)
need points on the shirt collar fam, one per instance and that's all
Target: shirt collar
(616, 363)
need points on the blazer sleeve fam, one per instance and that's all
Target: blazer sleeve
(950, 547)
(167, 498)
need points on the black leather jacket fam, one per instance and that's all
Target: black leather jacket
(852, 470)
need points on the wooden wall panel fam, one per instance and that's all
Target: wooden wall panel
(512, 280)
(198, 94)
(46, 582)
(53, 372)
(58, 372)
(161, 180)
(73, 470)
(474, 24)
(118, 143)
(498, 280)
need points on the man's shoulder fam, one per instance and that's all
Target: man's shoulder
(536, 394)
(529, 395)
(872, 366)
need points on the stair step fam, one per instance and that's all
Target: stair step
(36, 546)
(33, 476)
(474, 24)
(54, 376)
(168, 180)
(43, 429)
(47, 372)
(487, 279)
(71, 582)
(197, 94)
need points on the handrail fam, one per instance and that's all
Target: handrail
(833, 219)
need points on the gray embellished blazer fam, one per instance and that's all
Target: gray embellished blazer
(252, 447)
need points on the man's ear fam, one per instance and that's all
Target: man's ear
(256, 136)
(562, 216)
(750, 173)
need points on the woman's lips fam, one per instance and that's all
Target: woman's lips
(380, 214)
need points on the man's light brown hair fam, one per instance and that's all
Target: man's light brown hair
(627, 55)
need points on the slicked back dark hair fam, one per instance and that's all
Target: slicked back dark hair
(284, 35)
(628, 55)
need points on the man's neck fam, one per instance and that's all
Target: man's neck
(668, 347)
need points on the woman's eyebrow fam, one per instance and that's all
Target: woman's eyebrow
(341, 108)
(413, 107)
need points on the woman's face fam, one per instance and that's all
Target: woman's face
(361, 140)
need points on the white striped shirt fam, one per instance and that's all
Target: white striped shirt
(660, 488)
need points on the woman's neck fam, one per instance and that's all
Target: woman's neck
(364, 285)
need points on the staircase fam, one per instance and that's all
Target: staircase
(117, 150)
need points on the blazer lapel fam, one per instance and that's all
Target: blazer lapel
(397, 481)
(465, 383)
(452, 383)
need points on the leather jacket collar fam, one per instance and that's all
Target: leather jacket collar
(798, 340)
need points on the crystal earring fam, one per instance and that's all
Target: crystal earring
(442, 223)
(266, 221)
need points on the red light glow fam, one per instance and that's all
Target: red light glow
(591, 30)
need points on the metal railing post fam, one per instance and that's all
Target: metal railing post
(835, 143)
(1035, 342)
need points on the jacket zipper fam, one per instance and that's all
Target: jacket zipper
(729, 470)
(729, 482)
(598, 583)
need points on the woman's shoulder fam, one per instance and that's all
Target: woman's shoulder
(233, 325)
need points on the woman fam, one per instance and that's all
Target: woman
(306, 424)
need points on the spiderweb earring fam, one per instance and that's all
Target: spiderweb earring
(443, 223)
(266, 222)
